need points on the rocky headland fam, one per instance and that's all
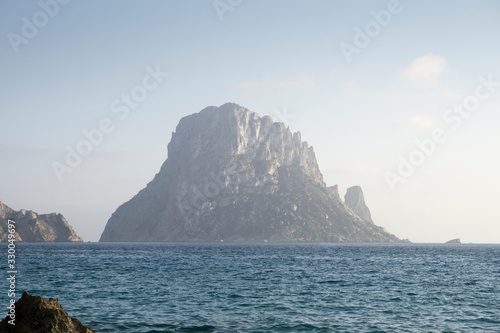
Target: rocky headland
(33, 227)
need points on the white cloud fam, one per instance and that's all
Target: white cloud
(425, 70)
(301, 83)
(420, 122)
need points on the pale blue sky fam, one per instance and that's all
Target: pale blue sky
(266, 56)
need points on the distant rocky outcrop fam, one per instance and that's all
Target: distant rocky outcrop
(233, 176)
(35, 314)
(33, 227)
(355, 200)
(454, 241)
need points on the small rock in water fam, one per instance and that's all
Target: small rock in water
(454, 241)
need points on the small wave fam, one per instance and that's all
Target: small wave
(332, 282)
(487, 320)
(204, 328)
(299, 328)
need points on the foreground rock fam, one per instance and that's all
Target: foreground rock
(454, 241)
(233, 176)
(33, 227)
(35, 314)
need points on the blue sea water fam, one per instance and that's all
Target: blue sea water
(141, 287)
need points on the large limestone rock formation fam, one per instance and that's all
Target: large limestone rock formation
(33, 227)
(355, 200)
(233, 176)
(35, 314)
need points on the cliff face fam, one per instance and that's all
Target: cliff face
(234, 176)
(33, 227)
(355, 200)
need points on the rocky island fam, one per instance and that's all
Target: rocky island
(454, 241)
(33, 227)
(234, 176)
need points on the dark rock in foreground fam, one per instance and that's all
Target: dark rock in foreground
(454, 241)
(35, 314)
(233, 176)
(33, 227)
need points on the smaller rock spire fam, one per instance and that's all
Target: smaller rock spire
(355, 200)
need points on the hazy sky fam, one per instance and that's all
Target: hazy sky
(361, 80)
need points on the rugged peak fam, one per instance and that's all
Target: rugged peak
(5, 210)
(355, 200)
(231, 131)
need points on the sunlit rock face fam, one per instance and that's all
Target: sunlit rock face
(234, 176)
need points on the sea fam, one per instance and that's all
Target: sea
(160, 287)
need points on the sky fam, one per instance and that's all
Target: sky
(399, 97)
